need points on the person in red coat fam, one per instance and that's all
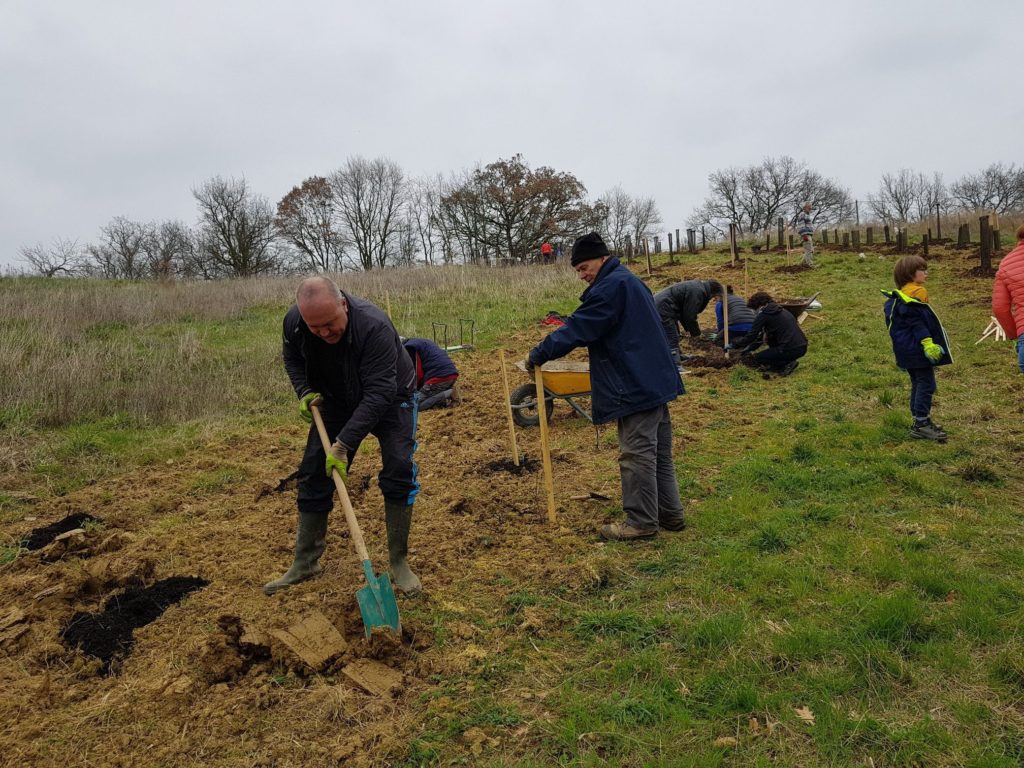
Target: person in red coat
(1008, 295)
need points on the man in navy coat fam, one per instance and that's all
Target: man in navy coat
(632, 378)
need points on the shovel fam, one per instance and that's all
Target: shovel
(377, 599)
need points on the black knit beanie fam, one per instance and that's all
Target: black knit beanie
(588, 247)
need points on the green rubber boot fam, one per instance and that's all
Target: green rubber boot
(398, 518)
(310, 543)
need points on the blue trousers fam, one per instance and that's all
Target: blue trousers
(396, 433)
(922, 388)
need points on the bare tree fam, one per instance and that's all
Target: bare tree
(61, 257)
(617, 225)
(756, 196)
(999, 188)
(931, 193)
(121, 250)
(897, 196)
(369, 195)
(307, 219)
(644, 219)
(168, 249)
(422, 209)
(236, 230)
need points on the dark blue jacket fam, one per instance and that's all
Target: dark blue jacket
(430, 360)
(631, 369)
(911, 321)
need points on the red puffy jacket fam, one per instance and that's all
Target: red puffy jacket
(1008, 292)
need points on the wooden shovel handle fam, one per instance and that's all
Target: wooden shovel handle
(346, 504)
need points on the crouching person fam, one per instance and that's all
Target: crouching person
(436, 374)
(343, 355)
(778, 328)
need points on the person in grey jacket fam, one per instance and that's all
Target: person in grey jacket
(681, 303)
(343, 355)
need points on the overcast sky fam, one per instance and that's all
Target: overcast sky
(120, 108)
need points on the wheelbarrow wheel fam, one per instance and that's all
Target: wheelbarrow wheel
(524, 402)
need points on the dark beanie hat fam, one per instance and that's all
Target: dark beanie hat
(588, 247)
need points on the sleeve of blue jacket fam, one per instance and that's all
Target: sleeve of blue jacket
(586, 325)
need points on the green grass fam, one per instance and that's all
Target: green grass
(830, 563)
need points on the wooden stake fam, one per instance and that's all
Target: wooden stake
(542, 413)
(508, 408)
(725, 319)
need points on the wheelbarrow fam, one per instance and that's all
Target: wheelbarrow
(799, 306)
(563, 380)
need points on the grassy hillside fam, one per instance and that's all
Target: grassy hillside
(842, 595)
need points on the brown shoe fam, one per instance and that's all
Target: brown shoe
(620, 532)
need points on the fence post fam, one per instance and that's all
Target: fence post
(855, 237)
(888, 236)
(924, 243)
(986, 243)
(782, 226)
(703, 240)
(871, 235)
(679, 243)
(670, 246)
(791, 242)
(846, 239)
(938, 219)
(824, 237)
(732, 240)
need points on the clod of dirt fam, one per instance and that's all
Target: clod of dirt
(314, 640)
(374, 677)
(526, 464)
(40, 537)
(108, 634)
(229, 653)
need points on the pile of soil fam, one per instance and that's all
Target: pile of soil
(108, 634)
(40, 537)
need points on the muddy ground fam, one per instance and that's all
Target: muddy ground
(210, 680)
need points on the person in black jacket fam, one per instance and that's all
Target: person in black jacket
(343, 354)
(681, 303)
(780, 330)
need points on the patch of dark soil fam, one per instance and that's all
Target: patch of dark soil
(738, 264)
(40, 537)
(108, 634)
(980, 272)
(286, 484)
(526, 464)
(710, 361)
(793, 268)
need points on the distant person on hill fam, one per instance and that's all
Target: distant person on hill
(343, 354)
(778, 328)
(918, 341)
(741, 318)
(805, 228)
(681, 303)
(1008, 295)
(632, 379)
(436, 374)
(546, 253)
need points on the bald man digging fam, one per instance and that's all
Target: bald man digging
(344, 355)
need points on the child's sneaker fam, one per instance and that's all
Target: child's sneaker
(928, 431)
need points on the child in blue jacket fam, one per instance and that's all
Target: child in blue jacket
(918, 341)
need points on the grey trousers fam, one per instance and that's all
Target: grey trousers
(809, 251)
(650, 492)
